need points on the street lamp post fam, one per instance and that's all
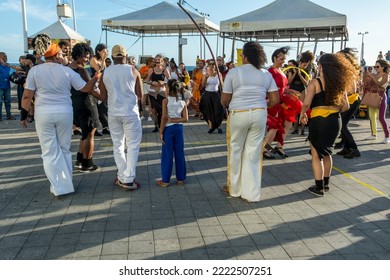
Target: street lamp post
(362, 50)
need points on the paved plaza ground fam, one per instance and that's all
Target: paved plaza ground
(197, 221)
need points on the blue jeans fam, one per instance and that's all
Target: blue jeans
(5, 93)
(174, 146)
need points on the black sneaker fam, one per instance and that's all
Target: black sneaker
(87, 169)
(97, 133)
(211, 130)
(352, 154)
(316, 191)
(155, 129)
(339, 145)
(220, 131)
(78, 164)
(295, 131)
(105, 131)
(343, 152)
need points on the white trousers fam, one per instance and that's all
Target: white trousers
(55, 135)
(245, 134)
(125, 130)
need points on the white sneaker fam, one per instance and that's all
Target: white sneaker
(142, 118)
(371, 137)
(386, 140)
(149, 119)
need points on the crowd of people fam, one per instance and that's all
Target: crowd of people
(77, 89)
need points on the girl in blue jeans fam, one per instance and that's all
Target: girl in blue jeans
(174, 114)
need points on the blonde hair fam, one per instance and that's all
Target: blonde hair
(41, 43)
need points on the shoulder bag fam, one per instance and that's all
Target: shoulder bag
(373, 97)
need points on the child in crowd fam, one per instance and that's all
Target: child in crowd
(174, 114)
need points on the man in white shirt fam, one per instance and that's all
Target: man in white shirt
(121, 88)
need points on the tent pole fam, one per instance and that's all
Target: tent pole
(315, 47)
(302, 46)
(74, 16)
(180, 58)
(142, 44)
(233, 47)
(106, 38)
(332, 45)
(298, 48)
(217, 44)
(25, 38)
(200, 49)
(223, 47)
(58, 4)
(204, 49)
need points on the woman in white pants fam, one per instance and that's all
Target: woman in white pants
(50, 83)
(244, 93)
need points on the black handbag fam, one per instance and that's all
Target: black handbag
(17, 78)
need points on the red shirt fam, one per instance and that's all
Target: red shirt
(280, 80)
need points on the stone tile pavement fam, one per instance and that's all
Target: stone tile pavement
(197, 221)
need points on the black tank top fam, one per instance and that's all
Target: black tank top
(319, 98)
(297, 84)
(73, 90)
(157, 77)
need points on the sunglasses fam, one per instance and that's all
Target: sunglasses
(376, 67)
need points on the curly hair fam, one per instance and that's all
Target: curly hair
(255, 54)
(41, 43)
(306, 57)
(351, 55)
(81, 50)
(339, 75)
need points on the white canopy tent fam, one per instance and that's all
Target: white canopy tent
(287, 21)
(161, 20)
(59, 31)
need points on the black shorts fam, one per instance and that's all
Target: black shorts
(82, 112)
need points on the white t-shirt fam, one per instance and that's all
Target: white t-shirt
(120, 84)
(52, 83)
(248, 86)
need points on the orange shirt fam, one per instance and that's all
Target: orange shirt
(144, 71)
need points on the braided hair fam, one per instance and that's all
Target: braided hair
(41, 43)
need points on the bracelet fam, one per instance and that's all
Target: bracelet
(23, 114)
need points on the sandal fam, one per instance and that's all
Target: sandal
(180, 183)
(267, 155)
(279, 151)
(225, 189)
(160, 183)
(130, 186)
